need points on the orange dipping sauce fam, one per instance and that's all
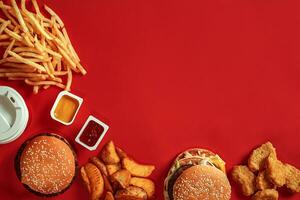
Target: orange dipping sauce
(66, 109)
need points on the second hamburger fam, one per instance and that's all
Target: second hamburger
(197, 174)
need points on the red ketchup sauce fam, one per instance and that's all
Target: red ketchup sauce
(91, 133)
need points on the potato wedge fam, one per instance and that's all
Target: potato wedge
(96, 181)
(107, 186)
(111, 169)
(137, 169)
(109, 196)
(145, 184)
(121, 178)
(131, 193)
(85, 179)
(101, 166)
(121, 153)
(109, 154)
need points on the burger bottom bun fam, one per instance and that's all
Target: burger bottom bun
(202, 182)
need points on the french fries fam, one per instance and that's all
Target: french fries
(36, 44)
(124, 178)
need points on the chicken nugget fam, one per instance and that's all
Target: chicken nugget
(268, 194)
(258, 156)
(245, 179)
(276, 171)
(263, 182)
(292, 178)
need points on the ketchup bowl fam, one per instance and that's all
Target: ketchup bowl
(91, 133)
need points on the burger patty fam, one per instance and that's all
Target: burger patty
(174, 177)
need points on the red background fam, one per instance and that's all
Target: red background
(170, 75)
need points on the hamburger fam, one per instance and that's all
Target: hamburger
(197, 174)
(46, 165)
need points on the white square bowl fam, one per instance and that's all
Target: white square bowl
(105, 129)
(59, 96)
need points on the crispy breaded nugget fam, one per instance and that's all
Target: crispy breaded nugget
(263, 182)
(276, 171)
(268, 194)
(292, 178)
(257, 158)
(245, 179)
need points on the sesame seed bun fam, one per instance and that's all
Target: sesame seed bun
(202, 182)
(46, 165)
(200, 169)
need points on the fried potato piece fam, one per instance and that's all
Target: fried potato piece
(292, 178)
(245, 179)
(121, 153)
(95, 180)
(276, 171)
(109, 196)
(131, 193)
(107, 186)
(137, 169)
(263, 182)
(145, 184)
(101, 166)
(85, 179)
(109, 154)
(111, 169)
(121, 178)
(257, 158)
(268, 194)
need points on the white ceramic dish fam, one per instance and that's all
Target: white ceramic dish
(59, 96)
(105, 129)
(13, 115)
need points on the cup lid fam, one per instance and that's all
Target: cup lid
(13, 114)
